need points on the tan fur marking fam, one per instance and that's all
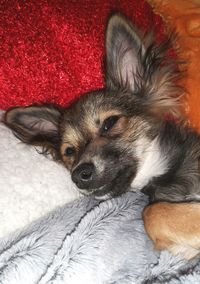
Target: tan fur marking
(68, 161)
(90, 125)
(174, 227)
(72, 136)
(90, 121)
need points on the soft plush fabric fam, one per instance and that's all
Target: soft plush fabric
(91, 242)
(30, 184)
(52, 51)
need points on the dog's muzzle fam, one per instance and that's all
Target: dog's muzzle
(83, 175)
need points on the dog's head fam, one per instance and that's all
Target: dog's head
(102, 138)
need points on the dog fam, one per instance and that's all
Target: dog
(119, 139)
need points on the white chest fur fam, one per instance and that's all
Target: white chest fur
(152, 163)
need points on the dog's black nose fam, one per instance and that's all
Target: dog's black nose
(83, 175)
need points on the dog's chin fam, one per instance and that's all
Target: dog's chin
(99, 193)
(119, 185)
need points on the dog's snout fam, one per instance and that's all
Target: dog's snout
(83, 175)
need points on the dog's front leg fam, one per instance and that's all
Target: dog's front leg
(174, 227)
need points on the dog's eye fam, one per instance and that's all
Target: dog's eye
(69, 151)
(109, 123)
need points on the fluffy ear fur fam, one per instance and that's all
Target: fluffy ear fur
(36, 126)
(136, 64)
(123, 49)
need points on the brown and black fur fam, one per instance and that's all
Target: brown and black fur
(136, 98)
(108, 136)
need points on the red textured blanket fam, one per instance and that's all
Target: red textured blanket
(52, 51)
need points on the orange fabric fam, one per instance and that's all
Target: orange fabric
(183, 16)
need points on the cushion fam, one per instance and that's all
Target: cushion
(30, 184)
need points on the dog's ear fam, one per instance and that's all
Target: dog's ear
(35, 125)
(136, 64)
(123, 54)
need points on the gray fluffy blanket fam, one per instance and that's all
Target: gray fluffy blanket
(91, 242)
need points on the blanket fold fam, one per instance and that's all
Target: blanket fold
(90, 242)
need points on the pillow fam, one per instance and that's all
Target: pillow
(30, 184)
